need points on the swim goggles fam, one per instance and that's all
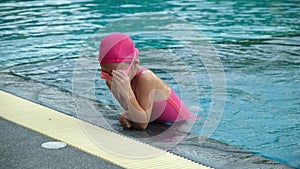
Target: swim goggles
(108, 76)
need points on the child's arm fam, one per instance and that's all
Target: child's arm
(117, 96)
(138, 114)
(124, 118)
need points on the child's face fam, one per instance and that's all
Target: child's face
(106, 69)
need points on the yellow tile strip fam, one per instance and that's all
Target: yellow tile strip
(92, 139)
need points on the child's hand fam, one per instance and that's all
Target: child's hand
(122, 82)
(124, 120)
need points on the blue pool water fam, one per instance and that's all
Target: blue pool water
(257, 42)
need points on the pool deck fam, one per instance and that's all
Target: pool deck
(22, 148)
(111, 148)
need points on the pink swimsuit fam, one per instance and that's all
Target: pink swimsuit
(170, 110)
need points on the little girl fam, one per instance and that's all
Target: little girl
(143, 95)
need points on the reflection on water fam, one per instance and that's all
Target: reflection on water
(257, 41)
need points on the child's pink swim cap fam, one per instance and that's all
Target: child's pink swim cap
(116, 48)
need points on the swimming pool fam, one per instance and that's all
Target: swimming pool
(257, 42)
